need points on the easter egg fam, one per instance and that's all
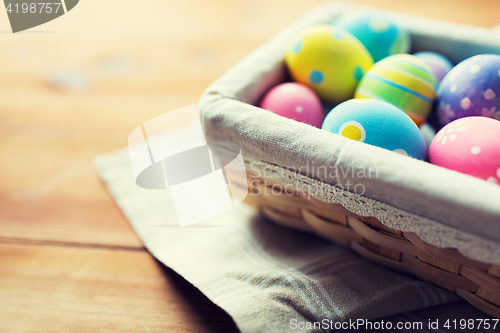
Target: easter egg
(469, 145)
(380, 34)
(439, 64)
(472, 88)
(329, 60)
(376, 123)
(294, 101)
(402, 80)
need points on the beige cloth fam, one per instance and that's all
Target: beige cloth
(268, 277)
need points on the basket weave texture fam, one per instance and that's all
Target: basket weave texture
(476, 282)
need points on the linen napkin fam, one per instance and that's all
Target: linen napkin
(269, 278)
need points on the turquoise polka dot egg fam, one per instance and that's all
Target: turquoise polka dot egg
(377, 123)
(329, 60)
(379, 33)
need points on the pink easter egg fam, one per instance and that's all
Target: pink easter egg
(294, 101)
(469, 145)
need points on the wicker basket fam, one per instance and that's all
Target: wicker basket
(228, 116)
(478, 283)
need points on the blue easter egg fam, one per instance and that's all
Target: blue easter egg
(472, 88)
(377, 123)
(380, 34)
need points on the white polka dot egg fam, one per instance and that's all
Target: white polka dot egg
(472, 88)
(377, 123)
(469, 145)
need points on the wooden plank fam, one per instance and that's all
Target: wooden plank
(61, 289)
(381, 260)
(440, 263)
(447, 254)
(437, 275)
(159, 60)
(393, 242)
(488, 282)
(384, 251)
(488, 295)
(483, 13)
(479, 303)
(332, 231)
(283, 219)
(71, 206)
(495, 270)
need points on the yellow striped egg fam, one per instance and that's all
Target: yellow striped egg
(404, 81)
(329, 60)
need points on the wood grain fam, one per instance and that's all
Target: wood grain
(69, 261)
(78, 289)
(483, 13)
(166, 57)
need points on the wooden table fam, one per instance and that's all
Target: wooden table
(76, 87)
